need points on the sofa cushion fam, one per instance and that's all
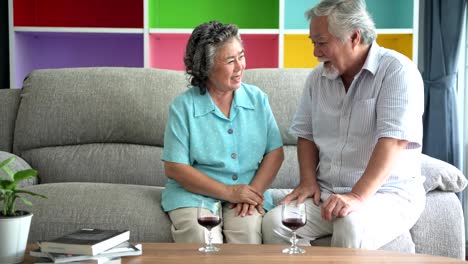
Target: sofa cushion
(288, 175)
(105, 163)
(96, 124)
(78, 106)
(403, 243)
(71, 206)
(284, 89)
(441, 175)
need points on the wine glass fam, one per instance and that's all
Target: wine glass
(293, 216)
(209, 219)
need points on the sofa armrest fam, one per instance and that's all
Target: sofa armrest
(441, 175)
(9, 102)
(17, 165)
(440, 230)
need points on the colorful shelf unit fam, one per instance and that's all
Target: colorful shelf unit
(396, 22)
(153, 33)
(171, 22)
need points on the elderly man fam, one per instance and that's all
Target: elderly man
(359, 129)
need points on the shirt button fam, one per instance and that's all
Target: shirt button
(230, 131)
(233, 155)
(234, 177)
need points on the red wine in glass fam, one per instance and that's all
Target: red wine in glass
(209, 221)
(293, 223)
(209, 215)
(293, 216)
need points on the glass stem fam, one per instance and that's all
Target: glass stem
(209, 238)
(294, 240)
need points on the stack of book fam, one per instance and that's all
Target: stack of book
(90, 246)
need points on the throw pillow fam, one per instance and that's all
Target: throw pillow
(441, 175)
(17, 165)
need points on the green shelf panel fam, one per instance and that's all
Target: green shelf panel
(391, 13)
(246, 14)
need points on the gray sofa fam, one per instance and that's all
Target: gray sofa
(96, 136)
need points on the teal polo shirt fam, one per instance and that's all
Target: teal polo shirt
(228, 150)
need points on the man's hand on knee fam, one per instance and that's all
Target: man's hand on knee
(340, 205)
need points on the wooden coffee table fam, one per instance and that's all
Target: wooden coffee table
(271, 254)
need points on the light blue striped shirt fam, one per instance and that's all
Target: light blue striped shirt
(228, 150)
(385, 99)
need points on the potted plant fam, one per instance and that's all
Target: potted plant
(14, 224)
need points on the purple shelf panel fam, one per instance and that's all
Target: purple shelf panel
(39, 50)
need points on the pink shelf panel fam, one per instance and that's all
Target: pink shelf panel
(167, 50)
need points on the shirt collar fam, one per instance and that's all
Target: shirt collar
(373, 57)
(241, 99)
(372, 61)
(203, 104)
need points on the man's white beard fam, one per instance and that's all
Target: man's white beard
(329, 71)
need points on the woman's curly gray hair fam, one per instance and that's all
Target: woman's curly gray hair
(201, 50)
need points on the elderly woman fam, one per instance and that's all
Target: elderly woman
(221, 142)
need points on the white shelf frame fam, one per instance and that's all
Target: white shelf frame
(146, 49)
(281, 34)
(379, 31)
(146, 31)
(11, 44)
(80, 30)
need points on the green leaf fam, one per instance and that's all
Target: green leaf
(9, 171)
(8, 191)
(24, 175)
(6, 162)
(25, 201)
(31, 193)
(7, 185)
(5, 168)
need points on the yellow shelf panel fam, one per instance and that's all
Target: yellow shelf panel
(402, 43)
(298, 49)
(298, 52)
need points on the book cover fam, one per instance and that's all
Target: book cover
(121, 250)
(90, 261)
(85, 241)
